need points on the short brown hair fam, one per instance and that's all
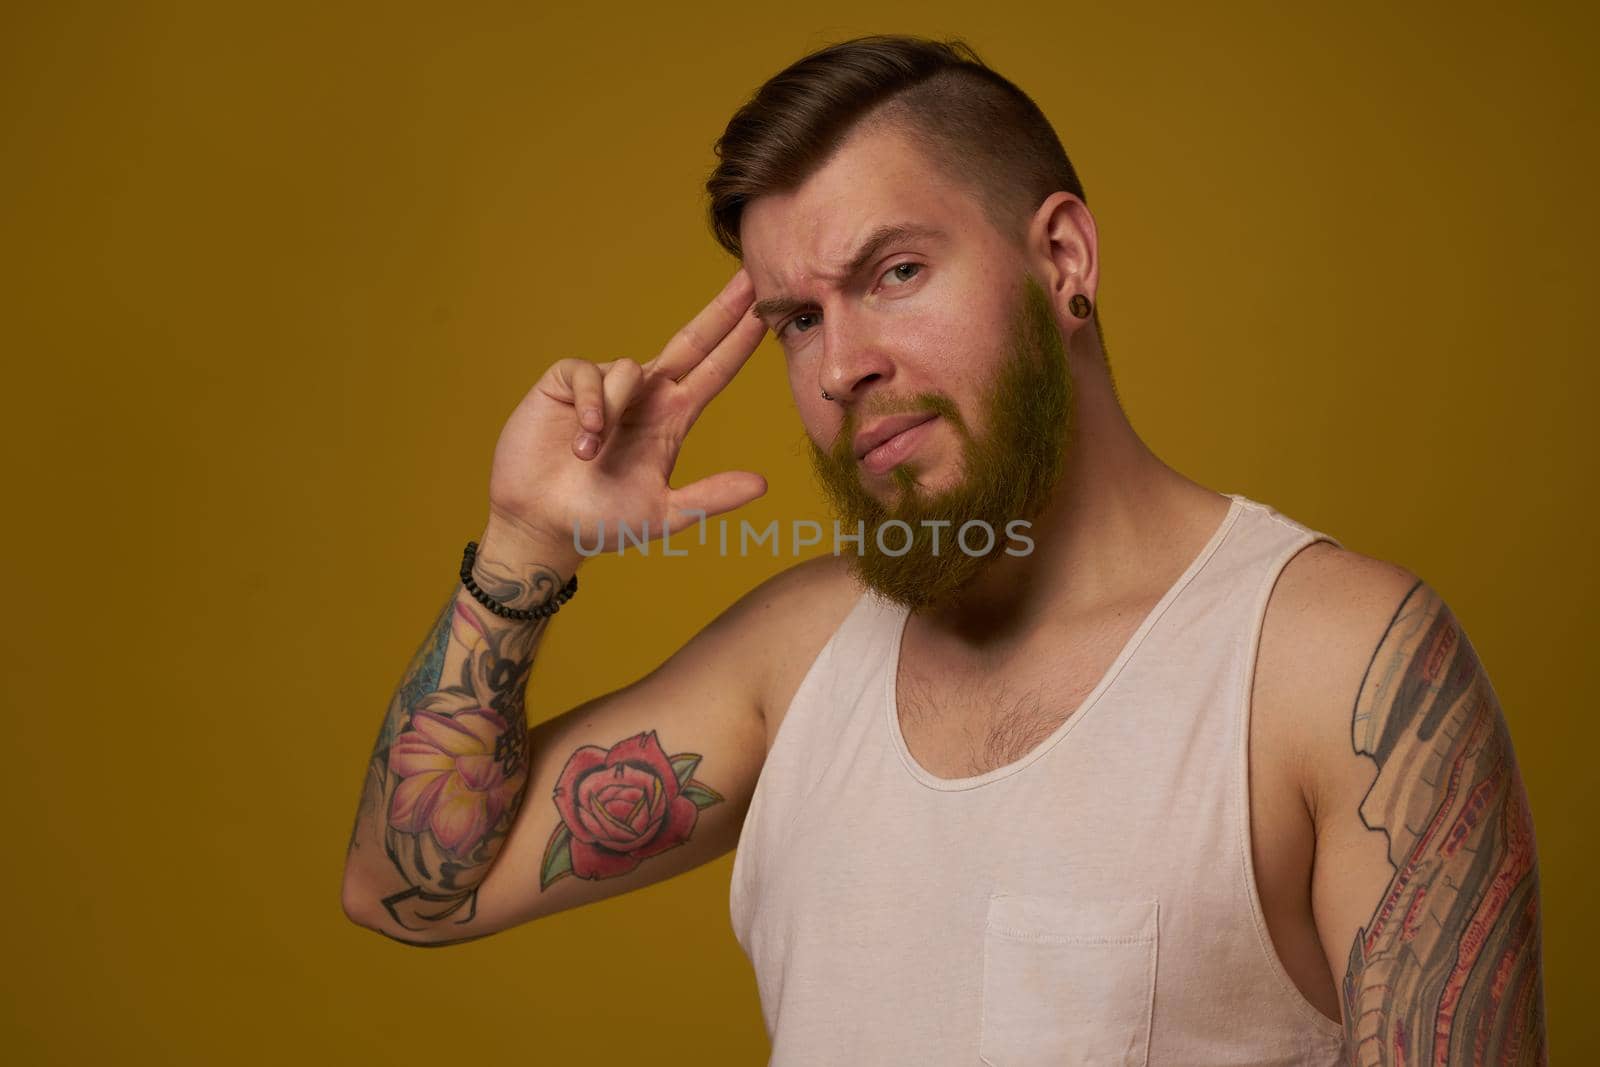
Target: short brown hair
(976, 125)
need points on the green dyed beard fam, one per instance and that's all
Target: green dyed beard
(1008, 473)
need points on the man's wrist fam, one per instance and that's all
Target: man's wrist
(512, 549)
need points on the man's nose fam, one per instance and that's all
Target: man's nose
(854, 357)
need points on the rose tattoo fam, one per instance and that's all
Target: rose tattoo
(621, 806)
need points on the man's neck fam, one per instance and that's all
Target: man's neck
(1119, 520)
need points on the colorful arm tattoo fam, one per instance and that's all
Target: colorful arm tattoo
(622, 805)
(449, 769)
(1447, 970)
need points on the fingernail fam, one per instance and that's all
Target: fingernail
(591, 418)
(587, 444)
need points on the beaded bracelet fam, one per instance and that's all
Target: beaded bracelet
(543, 611)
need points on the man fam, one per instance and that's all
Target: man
(1179, 780)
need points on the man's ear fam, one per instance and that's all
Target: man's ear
(1063, 247)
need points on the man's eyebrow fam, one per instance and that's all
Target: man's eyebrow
(775, 307)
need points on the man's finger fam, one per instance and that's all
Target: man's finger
(583, 379)
(713, 373)
(713, 495)
(621, 381)
(706, 330)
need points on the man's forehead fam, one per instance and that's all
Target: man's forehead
(829, 248)
(783, 286)
(877, 179)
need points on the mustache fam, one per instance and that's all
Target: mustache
(841, 449)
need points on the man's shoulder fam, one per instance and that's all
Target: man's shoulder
(1327, 615)
(1326, 591)
(793, 613)
(1424, 859)
(802, 594)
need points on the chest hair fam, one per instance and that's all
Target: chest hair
(971, 727)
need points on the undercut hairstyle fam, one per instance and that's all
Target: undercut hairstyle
(974, 124)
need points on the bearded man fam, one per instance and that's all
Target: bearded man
(1187, 782)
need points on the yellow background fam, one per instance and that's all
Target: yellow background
(274, 275)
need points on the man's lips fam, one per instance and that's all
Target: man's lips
(891, 451)
(878, 433)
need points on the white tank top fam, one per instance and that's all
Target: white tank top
(1093, 902)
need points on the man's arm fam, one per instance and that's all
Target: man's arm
(625, 790)
(442, 846)
(448, 773)
(1425, 886)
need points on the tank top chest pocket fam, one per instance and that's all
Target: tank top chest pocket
(1067, 981)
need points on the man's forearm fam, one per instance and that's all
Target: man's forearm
(449, 770)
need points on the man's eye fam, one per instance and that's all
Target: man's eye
(795, 321)
(898, 268)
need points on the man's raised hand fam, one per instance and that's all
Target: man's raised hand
(596, 442)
